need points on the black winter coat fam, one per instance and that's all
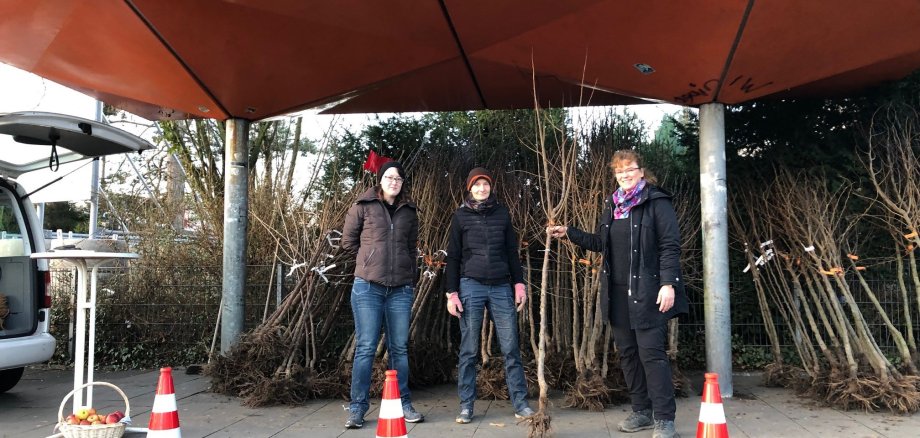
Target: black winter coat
(482, 246)
(386, 247)
(655, 257)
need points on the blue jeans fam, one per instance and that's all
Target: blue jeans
(373, 306)
(499, 300)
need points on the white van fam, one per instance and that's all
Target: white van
(31, 141)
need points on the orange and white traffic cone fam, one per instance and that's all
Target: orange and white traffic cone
(712, 416)
(391, 423)
(164, 417)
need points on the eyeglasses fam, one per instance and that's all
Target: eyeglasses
(621, 172)
(394, 179)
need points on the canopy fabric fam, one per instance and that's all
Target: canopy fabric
(254, 59)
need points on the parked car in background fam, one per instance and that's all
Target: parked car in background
(31, 141)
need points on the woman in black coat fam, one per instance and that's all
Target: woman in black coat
(639, 238)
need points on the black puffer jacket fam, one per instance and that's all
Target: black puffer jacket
(655, 256)
(386, 247)
(482, 246)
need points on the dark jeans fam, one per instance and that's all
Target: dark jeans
(645, 364)
(499, 300)
(374, 306)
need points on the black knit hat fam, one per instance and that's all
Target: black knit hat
(386, 166)
(476, 173)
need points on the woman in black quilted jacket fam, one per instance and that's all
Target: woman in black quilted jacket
(482, 265)
(639, 238)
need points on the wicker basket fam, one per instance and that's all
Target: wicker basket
(98, 431)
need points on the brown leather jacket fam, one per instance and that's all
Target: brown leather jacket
(386, 248)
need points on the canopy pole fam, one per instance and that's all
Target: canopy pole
(715, 244)
(94, 183)
(236, 220)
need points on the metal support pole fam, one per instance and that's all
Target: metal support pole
(94, 200)
(236, 210)
(94, 185)
(715, 244)
(40, 211)
(279, 286)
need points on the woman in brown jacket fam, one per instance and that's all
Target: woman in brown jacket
(381, 228)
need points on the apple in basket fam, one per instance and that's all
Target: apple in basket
(113, 418)
(72, 419)
(92, 418)
(83, 412)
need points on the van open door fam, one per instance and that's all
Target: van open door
(35, 140)
(30, 141)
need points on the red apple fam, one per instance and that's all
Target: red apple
(72, 419)
(112, 418)
(85, 423)
(97, 423)
(120, 414)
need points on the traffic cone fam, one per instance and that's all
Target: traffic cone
(391, 423)
(164, 416)
(712, 416)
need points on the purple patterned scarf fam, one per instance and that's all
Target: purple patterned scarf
(624, 201)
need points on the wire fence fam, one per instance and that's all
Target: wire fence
(175, 308)
(144, 312)
(749, 334)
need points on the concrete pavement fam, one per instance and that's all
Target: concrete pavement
(30, 410)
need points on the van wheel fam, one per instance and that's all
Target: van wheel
(9, 378)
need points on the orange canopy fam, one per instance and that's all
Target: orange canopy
(254, 59)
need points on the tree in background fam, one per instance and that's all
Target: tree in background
(66, 216)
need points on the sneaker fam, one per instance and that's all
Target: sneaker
(637, 421)
(355, 420)
(524, 413)
(466, 415)
(411, 415)
(665, 429)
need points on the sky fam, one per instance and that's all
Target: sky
(315, 125)
(23, 91)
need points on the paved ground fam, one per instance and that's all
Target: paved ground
(30, 410)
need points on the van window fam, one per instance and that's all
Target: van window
(13, 240)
